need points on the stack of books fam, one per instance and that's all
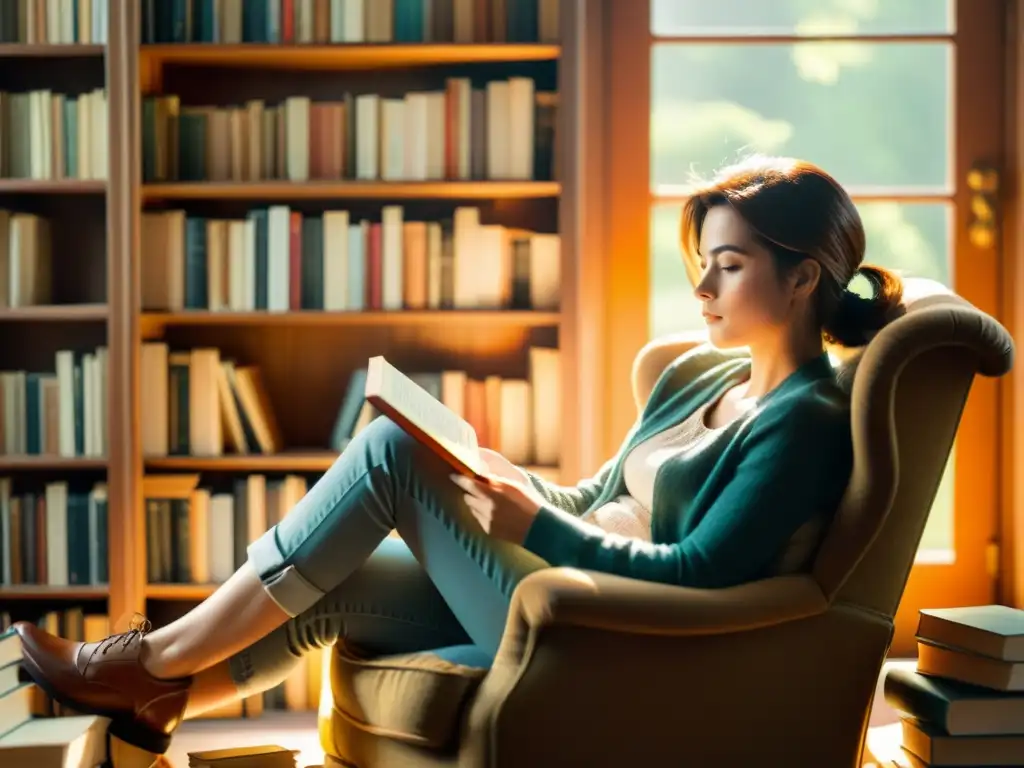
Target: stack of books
(16, 702)
(74, 741)
(27, 739)
(963, 705)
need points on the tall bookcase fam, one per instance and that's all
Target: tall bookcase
(55, 311)
(305, 356)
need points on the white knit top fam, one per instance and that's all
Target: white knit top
(629, 514)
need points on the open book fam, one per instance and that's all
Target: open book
(424, 417)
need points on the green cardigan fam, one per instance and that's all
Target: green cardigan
(721, 515)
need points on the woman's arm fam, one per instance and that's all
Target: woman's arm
(795, 465)
(572, 499)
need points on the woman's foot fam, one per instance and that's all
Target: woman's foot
(107, 679)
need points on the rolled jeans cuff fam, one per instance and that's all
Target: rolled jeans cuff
(282, 580)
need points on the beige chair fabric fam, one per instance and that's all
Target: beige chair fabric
(598, 670)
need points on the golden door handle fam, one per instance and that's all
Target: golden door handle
(982, 228)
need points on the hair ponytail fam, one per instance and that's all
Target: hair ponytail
(856, 318)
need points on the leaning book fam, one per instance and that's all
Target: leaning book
(424, 417)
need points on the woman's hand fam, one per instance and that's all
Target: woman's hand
(504, 508)
(502, 467)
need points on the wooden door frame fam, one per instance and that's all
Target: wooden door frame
(628, 226)
(127, 594)
(583, 153)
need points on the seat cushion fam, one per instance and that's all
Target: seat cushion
(414, 697)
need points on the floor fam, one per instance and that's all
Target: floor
(298, 731)
(883, 744)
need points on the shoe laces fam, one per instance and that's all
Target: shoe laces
(137, 628)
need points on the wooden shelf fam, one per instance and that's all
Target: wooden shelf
(52, 186)
(179, 591)
(45, 592)
(292, 461)
(153, 323)
(349, 190)
(68, 312)
(11, 462)
(49, 50)
(344, 56)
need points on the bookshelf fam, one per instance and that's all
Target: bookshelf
(55, 317)
(305, 354)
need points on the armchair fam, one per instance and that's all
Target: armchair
(598, 670)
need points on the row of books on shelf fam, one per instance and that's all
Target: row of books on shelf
(54, 22)
(199, 535)
(56, 537)
(279, 259)
(58, 413)
(505, 130)
(198, 403)
(26, 256)
(47, 135)
(194, 403)
(963, 704)
(350, 21)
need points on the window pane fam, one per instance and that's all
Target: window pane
(801, 17)
(937, 538)
(913, 238)
(819, 101)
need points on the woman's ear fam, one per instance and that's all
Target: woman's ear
(804, 278)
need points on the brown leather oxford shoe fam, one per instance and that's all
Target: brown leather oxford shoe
(107, 679)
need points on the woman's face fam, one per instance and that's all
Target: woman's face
(744, 301)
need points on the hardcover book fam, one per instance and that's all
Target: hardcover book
(424, 417)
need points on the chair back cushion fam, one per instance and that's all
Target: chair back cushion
(907, 387)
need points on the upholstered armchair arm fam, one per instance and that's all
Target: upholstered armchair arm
(568, 596)
(661, 675)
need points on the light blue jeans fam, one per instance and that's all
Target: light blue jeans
(330, 565)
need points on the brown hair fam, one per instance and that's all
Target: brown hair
(798, 211)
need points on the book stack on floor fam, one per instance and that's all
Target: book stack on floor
(73, 741)
(964, 703)
(26, 739)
